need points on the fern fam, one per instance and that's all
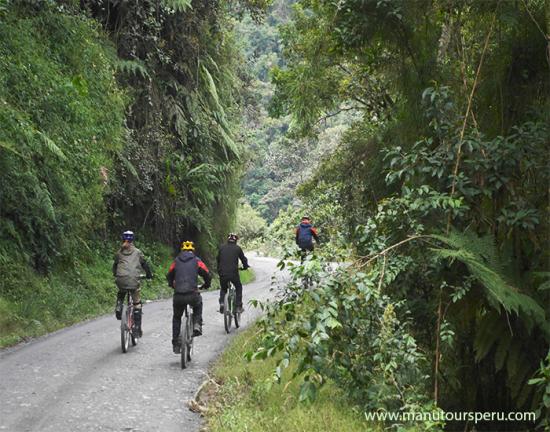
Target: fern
(129, 166)
(178, 5)
(6, 146)
(480, 256)
(176, 114)
(218, 113)
(133, 67)
(51, 146)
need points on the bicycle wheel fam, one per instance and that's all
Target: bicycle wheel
(124, 329)
(190, 337)
(184, 348)
(226, 313)
(132, 324)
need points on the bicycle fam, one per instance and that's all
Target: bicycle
(186, 337)
(127, 329)
(128, 332)
(230, 310)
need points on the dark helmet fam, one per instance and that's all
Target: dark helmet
(232, 237)
(305, 218)
(128, 236)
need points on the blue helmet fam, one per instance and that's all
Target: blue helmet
(128, 236)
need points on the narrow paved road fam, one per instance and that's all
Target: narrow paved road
(77, 379)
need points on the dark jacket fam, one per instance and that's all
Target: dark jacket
(184, 272)
(305, 233)
(228, 260)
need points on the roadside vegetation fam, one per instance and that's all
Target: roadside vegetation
(48, 303)
(111, 118)
(432, 196)
(249, 398)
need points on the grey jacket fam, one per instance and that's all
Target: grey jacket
(127, 267)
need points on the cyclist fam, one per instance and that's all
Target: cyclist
(305, 233)
(228, 269)
(183, 278)
(128, 264)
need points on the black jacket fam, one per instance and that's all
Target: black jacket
(184, 271)
(228, 260)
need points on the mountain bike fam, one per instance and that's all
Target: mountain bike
(127, 329)
(186, 335)
(230, 310)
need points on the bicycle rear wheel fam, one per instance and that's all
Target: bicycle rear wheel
(124, 329)
(186, 340)
(227, 313)
(190, 337)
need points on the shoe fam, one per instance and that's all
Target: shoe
(176, 347)
(197, 330)
(118, 310)
(221, 308)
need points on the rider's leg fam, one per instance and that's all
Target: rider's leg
(195, 301)
(137, 311)
(178, 305)
(119, 301)
(239, 289)
(224, 283)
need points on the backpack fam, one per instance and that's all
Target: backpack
(305, 236)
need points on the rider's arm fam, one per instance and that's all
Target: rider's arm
(315, 235)
(243, 259)
(170, 276)
(203, 271)
(297, 232)
(145, 265)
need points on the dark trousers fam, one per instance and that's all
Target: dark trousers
(304, 252)
(180, 301)
(224, 285)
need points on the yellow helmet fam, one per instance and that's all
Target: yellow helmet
(188, 245)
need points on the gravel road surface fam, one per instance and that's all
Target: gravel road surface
(77, 379)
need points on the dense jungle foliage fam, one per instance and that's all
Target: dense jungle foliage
(114, 115)
(279, 161)
(415, 132)
(437, 197)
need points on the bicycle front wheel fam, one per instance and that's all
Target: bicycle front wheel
(227, 313)
(124, 329)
